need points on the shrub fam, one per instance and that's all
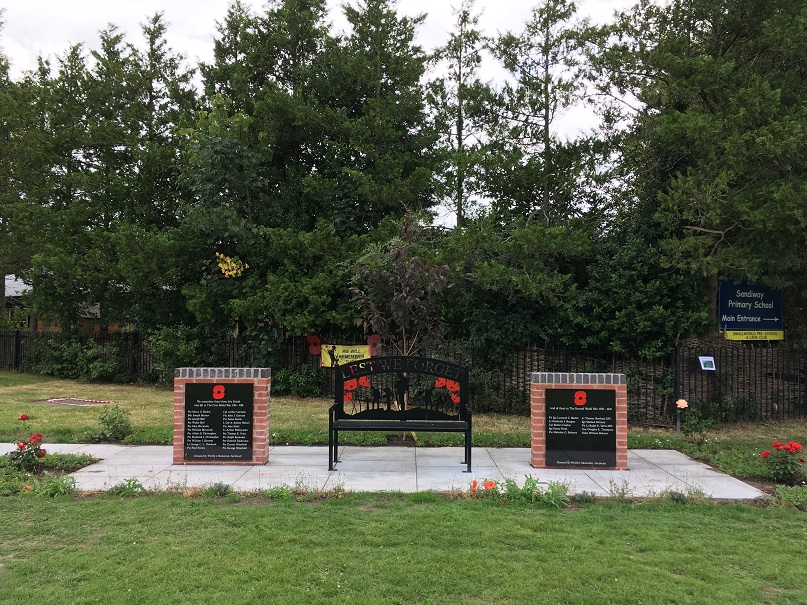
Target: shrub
(52, 486)
(218, 490)
(795, 496)
(77, 357)
(115, 425)
(555, 495)
(183, 346)
(299, 381)
(27, 457)
(129, 488)
(785, 462)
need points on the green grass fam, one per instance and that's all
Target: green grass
(294, 421)
(732, 448)
(390, 549)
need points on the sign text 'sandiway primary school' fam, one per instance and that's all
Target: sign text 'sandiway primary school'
(750, 311)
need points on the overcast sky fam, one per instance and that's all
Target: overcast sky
(49, 27)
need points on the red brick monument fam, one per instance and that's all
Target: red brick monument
(221, 415)
(579, 421)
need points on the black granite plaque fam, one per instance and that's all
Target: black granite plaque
(218, 421)
(581, 428)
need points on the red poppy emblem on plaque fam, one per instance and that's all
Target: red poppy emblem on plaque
(218, 391)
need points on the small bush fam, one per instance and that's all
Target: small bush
(115, 425)
(584, 497)
(299, 381)
(795, 496)
(218, 490)
(280, 492)
(52, 486)
(78, 357)
(129, 488)
(555, 495)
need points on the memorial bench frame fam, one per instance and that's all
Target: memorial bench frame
(400, 394)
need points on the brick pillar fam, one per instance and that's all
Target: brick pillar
(590, 437)
(260, 381)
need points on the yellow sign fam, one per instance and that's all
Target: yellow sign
(755, 335)
(334, 355)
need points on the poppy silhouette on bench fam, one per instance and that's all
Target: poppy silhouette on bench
(394, 394)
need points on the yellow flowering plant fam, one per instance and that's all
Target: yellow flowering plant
(230, 266)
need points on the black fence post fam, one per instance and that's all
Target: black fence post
(17, 349)
(677, 372)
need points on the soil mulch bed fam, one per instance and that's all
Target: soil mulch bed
(73, 402)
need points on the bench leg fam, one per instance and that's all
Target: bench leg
(333, 449)
(467, 451)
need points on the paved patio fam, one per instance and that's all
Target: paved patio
(401, 469)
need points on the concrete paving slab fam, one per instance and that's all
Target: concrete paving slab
(399, 469)
(447, 478)
(372, 454)
(452, 456)
(661, 457)
(293, 476)
(399, 481)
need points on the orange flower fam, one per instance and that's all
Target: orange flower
(682, 404)
(440, 383)
(455, 398)
(452, 386)
(489, 485)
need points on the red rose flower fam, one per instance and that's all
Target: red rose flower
(766, 453)
(23, 417)
(21, 446)
(36, 437)
(802, 460)
(41, 453)
(777, 445)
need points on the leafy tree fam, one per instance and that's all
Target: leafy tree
(514, 285)
(720, 130)
(231, 75)
(531, 172)
(110, 171)
(459, 100)
(397, 289)
(9, 195)
(379, 129)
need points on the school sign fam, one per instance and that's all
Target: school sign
(750, 311)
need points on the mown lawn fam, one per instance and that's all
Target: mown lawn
(733, 449)
(364, 548)
(294, 421)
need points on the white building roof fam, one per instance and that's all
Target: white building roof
(14, 286)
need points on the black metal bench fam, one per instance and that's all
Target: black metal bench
(393, 394)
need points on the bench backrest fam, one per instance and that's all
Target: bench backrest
(416, 388)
